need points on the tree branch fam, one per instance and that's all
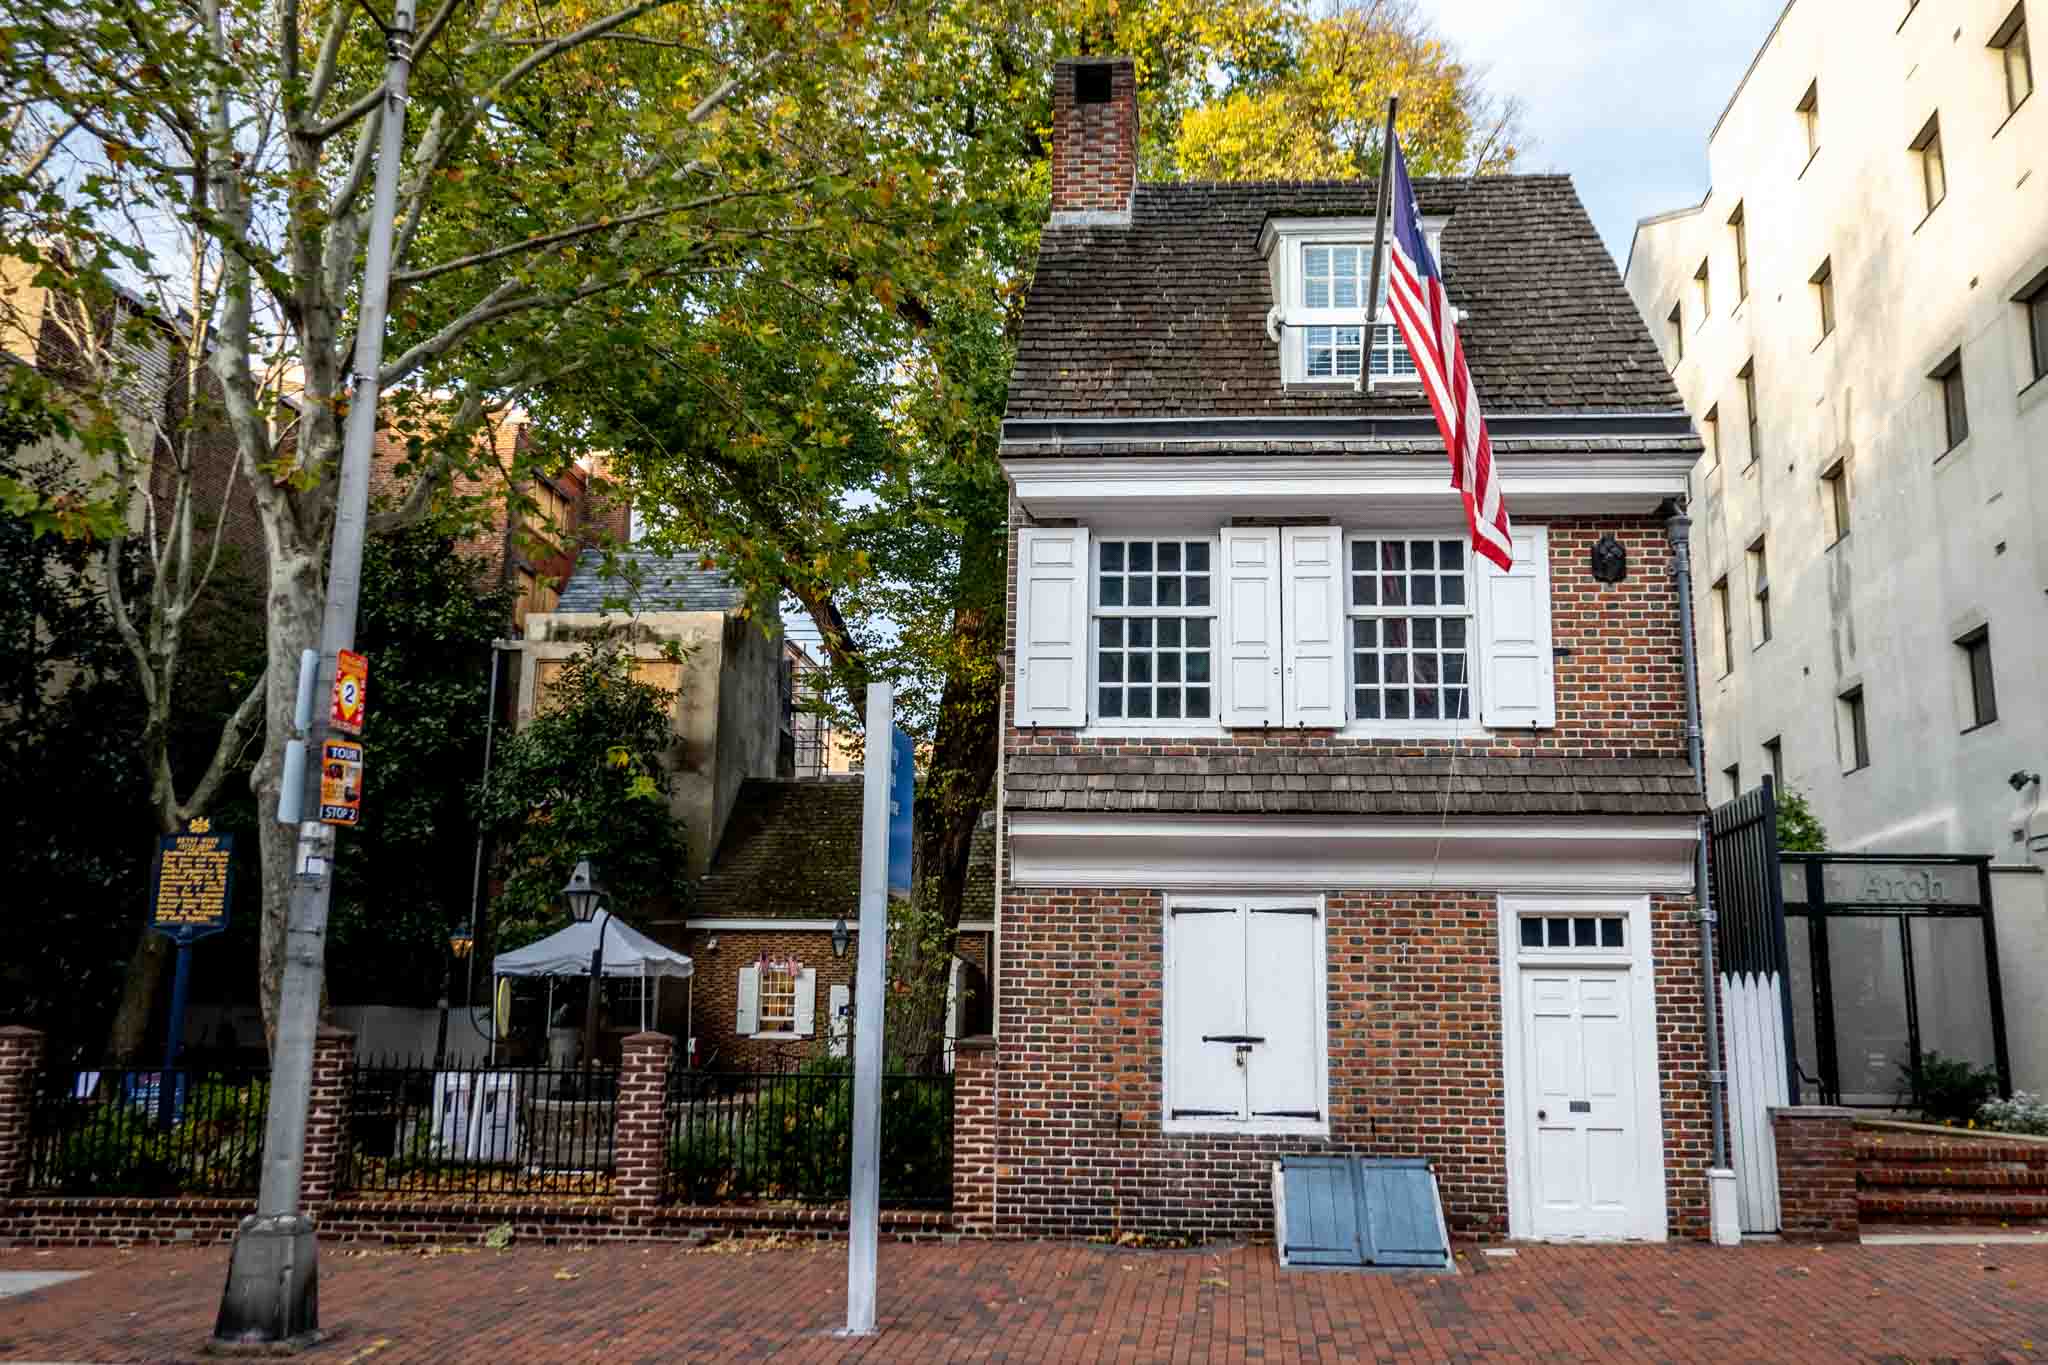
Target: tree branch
(229, 747)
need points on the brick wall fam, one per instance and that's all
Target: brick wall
(1415, 1037)
(974, 1135)
(334, 1057)
(639, 1146)
(21, 1059)
(1094, 145)
(1816, 1172)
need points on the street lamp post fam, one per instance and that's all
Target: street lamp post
(585, 896)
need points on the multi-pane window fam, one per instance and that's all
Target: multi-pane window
(1733, 775)
(1774, 755)
(1824, 296)
(1855, 731)
(1711, 429)
(1155, 613)
(1809, 118)
(1834, 487)
(1411, 629)
(778, 996)
(1335, 279)
(1760, 591)
(1738, 225)
(2036, 304)
(1976, 647)
(1574, 931)
(2016, 57)
(1748, 378)
(1955, 403)
(1933, 167)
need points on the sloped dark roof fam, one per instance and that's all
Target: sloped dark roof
(665, 582)
(792, 851)
(1281, 782)
(1167, 317)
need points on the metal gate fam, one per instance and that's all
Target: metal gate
(1756, 1000)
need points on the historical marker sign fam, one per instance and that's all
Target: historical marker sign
(341, 782)
(351, 692)
(195, 875)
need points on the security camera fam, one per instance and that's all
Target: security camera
(2022, 779)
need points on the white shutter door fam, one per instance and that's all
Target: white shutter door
(1052, 626)
(1284, 1073)
(807, 1002)
(749, 1021)
(1251, 626)
(1517, 683)
(1204, 1080)
(1312, 601)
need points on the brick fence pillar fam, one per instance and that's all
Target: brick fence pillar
(639, 1148)
(21, 1061)
(974, 1135)
(334, 1059)
(1816, 1172)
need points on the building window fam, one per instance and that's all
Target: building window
(1809, 117)
(1748, 377)
(1733, 773)
(2035, 301)
(1834, 487)
(1711, 429)
(1703, 291)
(1774, 757)
(1677, 321)
(1334, 280)
(1724, 623)
(1976, 647)
(1933, 169)
(1154, 616)
(1955, 405)
(1760, 593)
(1246, 1016)
(778, 996)
(1824, 297)
(1855, 734)
(1411, 629)
(2016, 57)
(1740, 228)
(1542, 933)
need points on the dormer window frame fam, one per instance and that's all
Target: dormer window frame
(1284, 243)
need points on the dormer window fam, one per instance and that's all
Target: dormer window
(1321, 270)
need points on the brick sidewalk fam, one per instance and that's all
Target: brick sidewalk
(1037, 1302)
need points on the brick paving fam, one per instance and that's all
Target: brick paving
(1045, 1301)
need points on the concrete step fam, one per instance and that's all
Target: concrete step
(2013, 1176)
(1895, 1205)
(1894, 1152)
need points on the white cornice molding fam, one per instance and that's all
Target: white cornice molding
(1222, 852)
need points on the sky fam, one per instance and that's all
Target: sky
(1620, 94)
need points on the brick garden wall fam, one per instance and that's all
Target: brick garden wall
(1415, 1038)
(1816, 1173)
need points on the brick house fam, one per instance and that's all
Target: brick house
(1320, 834)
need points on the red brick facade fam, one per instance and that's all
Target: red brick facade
(974, 1135)
(1094, 142)
(21, 1060)
(639, 1145)
(1816, 1173)
(334, 1056)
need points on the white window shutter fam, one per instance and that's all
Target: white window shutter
(749, 1022)
(1204, 1080)
(1052, 626)
(807, 1002)
(1284, 1076)
(1251, 626)
(839, 1027)
(1312, 600)
(1517, 679)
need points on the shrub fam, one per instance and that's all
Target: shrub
(1947, 1089)
(700, 1159)
(2023, 1113)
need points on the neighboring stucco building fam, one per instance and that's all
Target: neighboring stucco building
(1857, 318)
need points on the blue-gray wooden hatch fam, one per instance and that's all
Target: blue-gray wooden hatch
(1358, 1211)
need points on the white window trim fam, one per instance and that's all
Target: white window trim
(1118, 727)
(1264, 1127)
(1354, 727)
(1283, 242)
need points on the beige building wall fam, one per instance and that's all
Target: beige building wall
(1940, 542)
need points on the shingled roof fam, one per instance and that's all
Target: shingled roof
(652, 582)
(792, 851)
(1167, 317)
(1283, 782)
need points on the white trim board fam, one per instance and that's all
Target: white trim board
(1243, 852)
(1650, 1205)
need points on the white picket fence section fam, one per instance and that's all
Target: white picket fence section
(1753, 1015)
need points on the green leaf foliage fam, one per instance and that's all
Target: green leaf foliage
(1799, 829)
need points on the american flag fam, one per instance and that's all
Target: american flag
(1415, 292)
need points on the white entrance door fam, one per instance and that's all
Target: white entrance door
(1581, 1101)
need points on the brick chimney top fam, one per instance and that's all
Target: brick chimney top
(1094, 140)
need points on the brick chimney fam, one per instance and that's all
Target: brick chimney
(1094, 140)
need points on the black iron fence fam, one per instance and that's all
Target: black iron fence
(474, 1131)
(109, 1132)
(788, 1134)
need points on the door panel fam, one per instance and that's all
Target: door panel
(1208, 999)
(1280, 1007)
(1585, 1159)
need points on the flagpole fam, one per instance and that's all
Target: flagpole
(1379, 245)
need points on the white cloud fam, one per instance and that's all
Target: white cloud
(1621, 94)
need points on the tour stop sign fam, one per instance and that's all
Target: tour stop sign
(351, 692)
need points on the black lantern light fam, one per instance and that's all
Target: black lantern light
(1610, 560)
(840, 938)
(583, 895)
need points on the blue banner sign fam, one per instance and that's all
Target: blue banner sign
(902, 798)
(195, 876)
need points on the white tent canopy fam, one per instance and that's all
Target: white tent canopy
(627, 952)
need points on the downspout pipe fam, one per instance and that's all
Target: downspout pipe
(1678, 527)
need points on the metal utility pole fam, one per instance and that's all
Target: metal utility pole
(272, 1292)
(864, 1207)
